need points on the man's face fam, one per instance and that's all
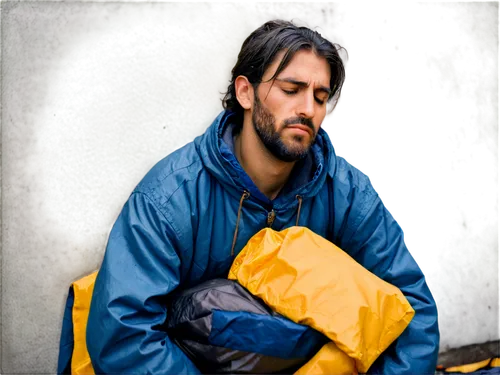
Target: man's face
(288, 111)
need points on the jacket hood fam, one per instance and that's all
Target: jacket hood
(216, 151)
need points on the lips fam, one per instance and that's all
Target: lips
(304, 128)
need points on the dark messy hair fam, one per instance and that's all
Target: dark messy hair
(261, 47)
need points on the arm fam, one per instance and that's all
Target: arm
(377, 243)
(140, 267)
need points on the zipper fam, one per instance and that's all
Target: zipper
(271, 215)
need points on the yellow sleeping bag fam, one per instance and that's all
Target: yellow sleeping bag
(82, 288)
(313, 282)
(309, 280)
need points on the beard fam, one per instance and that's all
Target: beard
(264, 124)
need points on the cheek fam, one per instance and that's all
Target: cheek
(320, 120)
(319, 123)
(280, 112)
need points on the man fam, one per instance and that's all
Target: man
(265, 161)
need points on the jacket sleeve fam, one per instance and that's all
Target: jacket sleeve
(140, 267)
(377, 243)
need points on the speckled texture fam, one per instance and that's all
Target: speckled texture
(93, 94)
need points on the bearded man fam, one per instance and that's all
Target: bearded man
(264, 162)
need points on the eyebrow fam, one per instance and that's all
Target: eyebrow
(303, 84)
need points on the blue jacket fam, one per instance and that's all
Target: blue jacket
(196, 209)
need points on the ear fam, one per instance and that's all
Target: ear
(244, 92)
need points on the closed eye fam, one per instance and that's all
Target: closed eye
(319, 101)
(295, 91)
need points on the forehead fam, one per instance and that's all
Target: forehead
(305, 66)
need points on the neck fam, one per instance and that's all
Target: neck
(267, 172)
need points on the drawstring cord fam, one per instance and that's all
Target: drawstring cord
(299, 198)
(245, 195)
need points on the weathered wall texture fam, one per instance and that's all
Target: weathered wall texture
(93, 94)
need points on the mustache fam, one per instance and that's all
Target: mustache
(300, 120)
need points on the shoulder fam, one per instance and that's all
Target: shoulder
(171, 174)
(353, 199)
(347, 178)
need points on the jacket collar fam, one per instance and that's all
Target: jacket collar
(215, 147)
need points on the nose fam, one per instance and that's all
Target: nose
(307, 106)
